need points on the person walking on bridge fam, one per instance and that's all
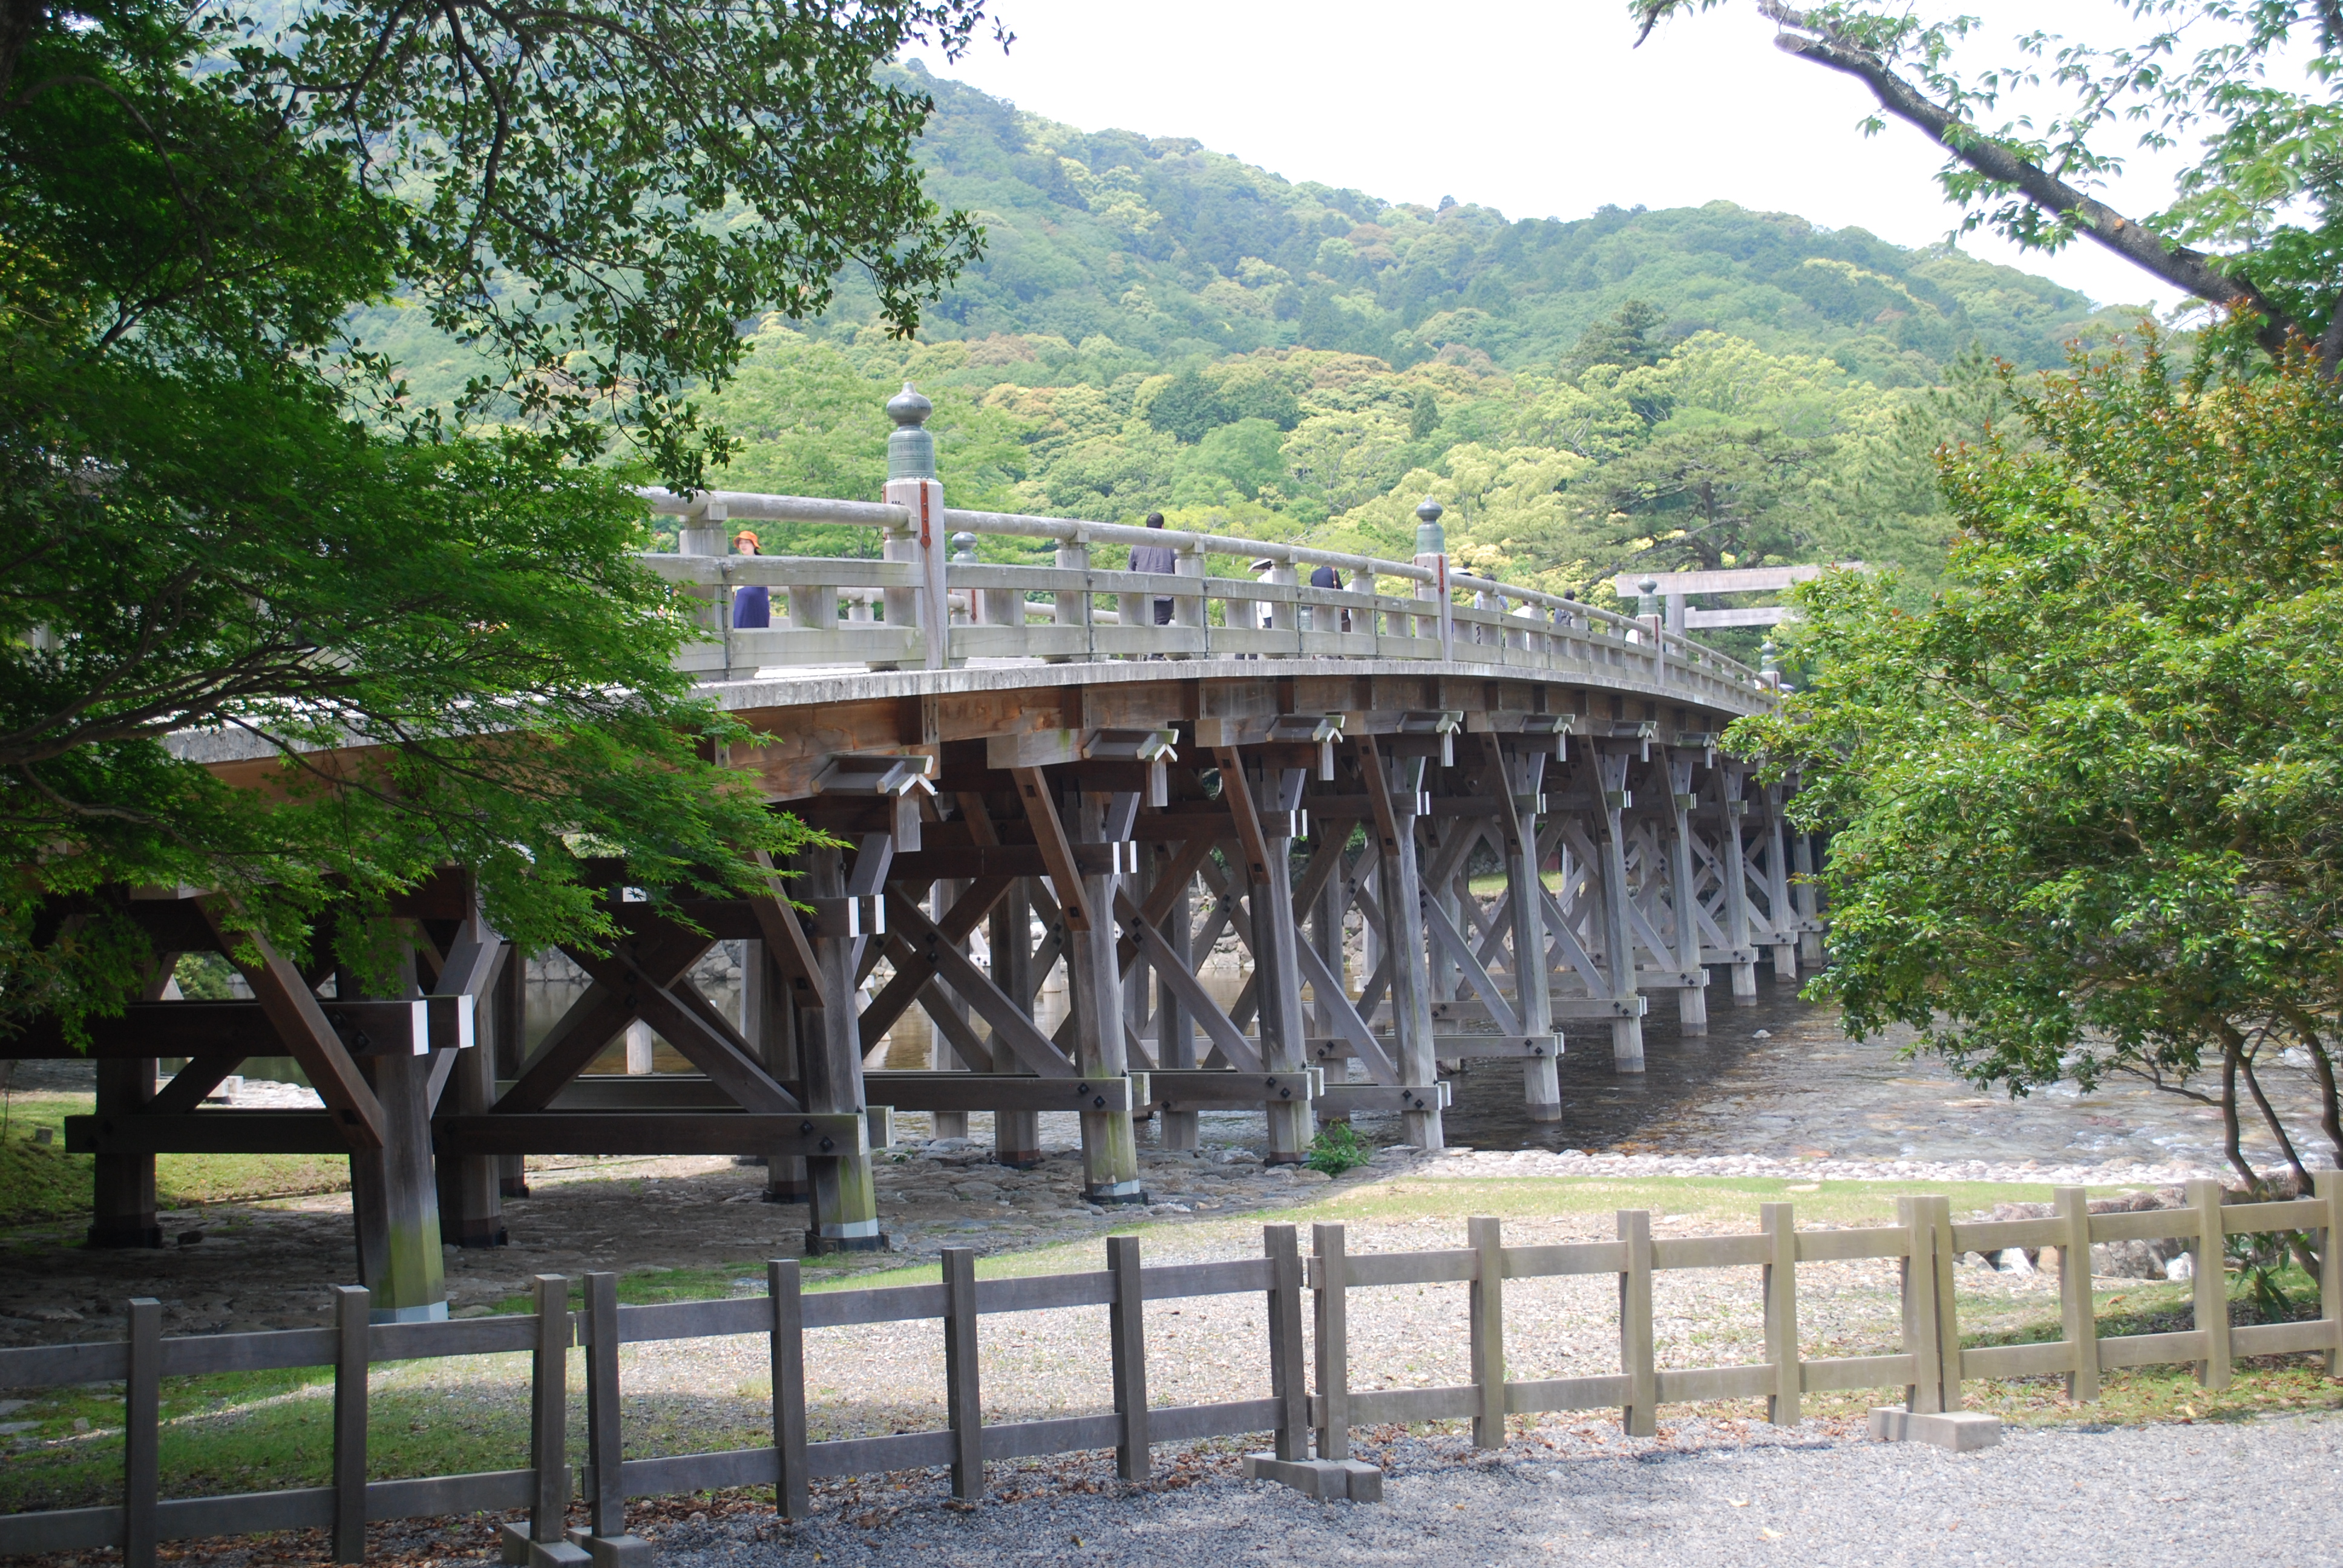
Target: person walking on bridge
(1156, 558)
(752, 604)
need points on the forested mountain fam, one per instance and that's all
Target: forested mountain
(1156, 325)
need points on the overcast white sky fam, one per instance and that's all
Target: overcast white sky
(1538, 110)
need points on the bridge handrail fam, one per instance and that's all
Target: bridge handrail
(992, 606)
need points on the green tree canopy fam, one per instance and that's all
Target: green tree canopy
(2084, 804)
(224, 518)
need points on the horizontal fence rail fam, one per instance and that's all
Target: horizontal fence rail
(1311, 1403)
(921, 605)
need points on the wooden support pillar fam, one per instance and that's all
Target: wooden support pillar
(942, 897)
(1692, 1001)
(1094, 987)
(1275, 794)
(121, 1187)
(1806, 901)
(844, 1204)
(1326, 913)
(1439, 962)
(1618, 934)
(1016, 1135)
(1137, 978)
(471, 1200)
(1732, 863)
(1175, 1027)
(769, 1022)
(395, 1198)
(1516, 777)
(1777, 888)
(1393, 792)
(508, 1047)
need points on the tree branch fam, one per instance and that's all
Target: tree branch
(2191, 271)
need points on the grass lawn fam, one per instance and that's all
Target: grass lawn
(41, 1183)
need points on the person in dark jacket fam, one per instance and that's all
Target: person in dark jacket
(1327, 577)
(1156, 558)
(752, 606)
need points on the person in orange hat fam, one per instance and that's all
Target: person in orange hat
(752, 606)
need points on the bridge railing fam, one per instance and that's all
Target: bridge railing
(829, 611)
(927, 601)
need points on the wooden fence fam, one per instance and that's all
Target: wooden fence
(1309, 1404)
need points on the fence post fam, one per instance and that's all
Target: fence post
(963, 1405)
(1639, 1418)
(1127, 1328)
(353, 1307)
(2212, 1283)
(792, 1495)
(142, 1432)
(1488, 1314)
(1330, 1276)
(2073, 1205)
(549, 1412)
(1287, 1383)
(2328, 1186)
(1924, 1394)
(1780, 1225)
(606, 1495)
(1949, 1317)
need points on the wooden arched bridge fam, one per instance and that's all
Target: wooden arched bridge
(1007, 755)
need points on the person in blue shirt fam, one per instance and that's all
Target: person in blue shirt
(752, 606)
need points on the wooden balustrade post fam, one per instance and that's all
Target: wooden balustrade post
(1188, 608)
(2079, 1319)
(1924, 1394)
(1330, 1279)
(2212, 1283)
(1640, 1418)
(964, 1394)
(142, 1434)
(1073, 607)
(352, 1333)
(1127, 1332)
(549, 1410)
(1432, 554)
(1487, 1312)
(1288, 1374)
(791, 1491)
(1779, 1223)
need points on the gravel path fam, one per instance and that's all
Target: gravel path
(2260, 1491)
